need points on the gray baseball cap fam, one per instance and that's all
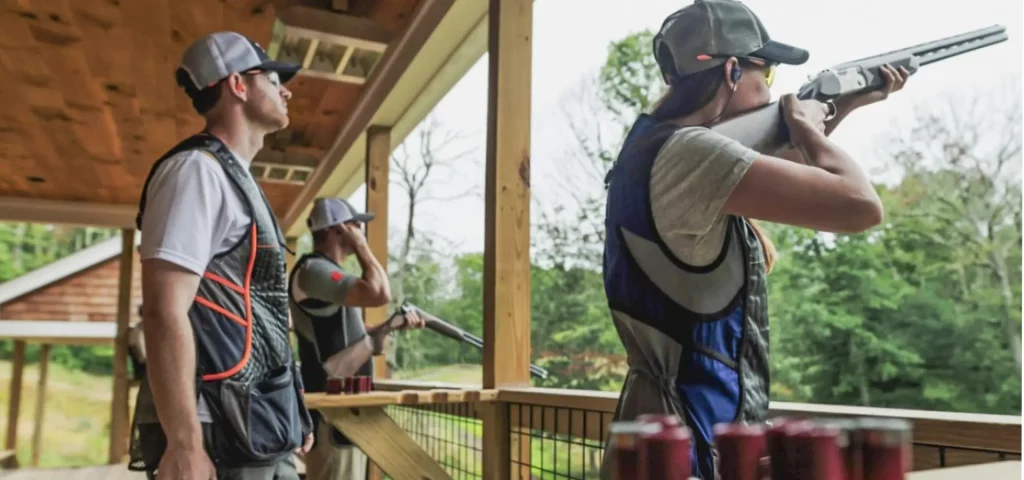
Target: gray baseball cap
(331, 211)
(217, 55)
(706, 33)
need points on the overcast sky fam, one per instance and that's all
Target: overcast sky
(570, 43)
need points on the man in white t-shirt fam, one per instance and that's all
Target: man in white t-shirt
(215, 309)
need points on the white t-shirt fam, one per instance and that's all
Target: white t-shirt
(193, 212)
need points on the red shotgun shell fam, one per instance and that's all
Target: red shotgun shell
(740, 449)
(624, 439)
(663, 453)
(818, 454)
(335, 385)
(886, 448)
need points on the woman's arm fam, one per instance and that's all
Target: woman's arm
(830, 193)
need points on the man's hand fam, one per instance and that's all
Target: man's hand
(353, 234)
(803, 117)
(182, 461)
(379, 334)
(413, 320)
(306, 446)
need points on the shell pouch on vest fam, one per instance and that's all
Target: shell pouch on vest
(257, 421)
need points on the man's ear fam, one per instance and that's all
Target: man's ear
(237, 87)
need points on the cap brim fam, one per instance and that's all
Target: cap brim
(285, 71)
(362, 217)
(781, 53)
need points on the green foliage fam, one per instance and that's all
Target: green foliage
(630, 79)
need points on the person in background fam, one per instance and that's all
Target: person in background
(326, 304)
(685, 262)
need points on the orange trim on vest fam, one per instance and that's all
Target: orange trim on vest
(221, 310)
(223, 281)
(248, 315)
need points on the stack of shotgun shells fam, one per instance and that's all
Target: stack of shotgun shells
(359, 384)
(657, 447)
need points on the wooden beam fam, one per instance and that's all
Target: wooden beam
(385, 443)
(339, 5)
(37, 429)
(507, 222)
(387, 72)
(333, 27)
(14, 399)
(59, 332)
(378, 154)
(118, 446)
(36, 210)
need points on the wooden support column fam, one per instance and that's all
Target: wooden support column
(37, 429)
(118, 446)
(14, 399)
(378, 154)
(507, 222)
(289, 260)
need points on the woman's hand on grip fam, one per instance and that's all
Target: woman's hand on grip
(803, 117)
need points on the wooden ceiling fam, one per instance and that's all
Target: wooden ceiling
(88, 100)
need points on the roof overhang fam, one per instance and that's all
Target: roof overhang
(450, 50)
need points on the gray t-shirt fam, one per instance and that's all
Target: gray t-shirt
(193, 212)
(319, 311)
(693, 175)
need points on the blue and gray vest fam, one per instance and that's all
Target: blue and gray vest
(245, 370)
(696, 336)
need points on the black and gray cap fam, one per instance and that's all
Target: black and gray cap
(331, 211)
(706, 33)
(217, 55)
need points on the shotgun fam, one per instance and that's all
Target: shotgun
(397, 319)
(764, 129)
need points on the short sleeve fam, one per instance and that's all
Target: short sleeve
(325, 281)
(694, 174)
(185, 221)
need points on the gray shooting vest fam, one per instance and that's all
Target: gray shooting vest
(245, 370)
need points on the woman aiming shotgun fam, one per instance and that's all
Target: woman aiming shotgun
(684, 262)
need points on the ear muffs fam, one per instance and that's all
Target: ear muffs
(737, 72)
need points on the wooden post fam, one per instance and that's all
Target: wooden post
(37, 430)
(14, 400)
(378, 154)
(289, 260)
(507, 221)
(118, 446)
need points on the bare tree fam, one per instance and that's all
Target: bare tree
(440, 153)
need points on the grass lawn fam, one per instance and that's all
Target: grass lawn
(76, 421)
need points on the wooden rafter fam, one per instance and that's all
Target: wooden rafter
(386, 73)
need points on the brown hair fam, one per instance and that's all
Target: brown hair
(688, 94)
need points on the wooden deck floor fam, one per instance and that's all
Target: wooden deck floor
(103, 472)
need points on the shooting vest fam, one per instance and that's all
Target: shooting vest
(696, 337)
(323, 329)
(244, 366)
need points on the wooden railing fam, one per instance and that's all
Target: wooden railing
(564, 430)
